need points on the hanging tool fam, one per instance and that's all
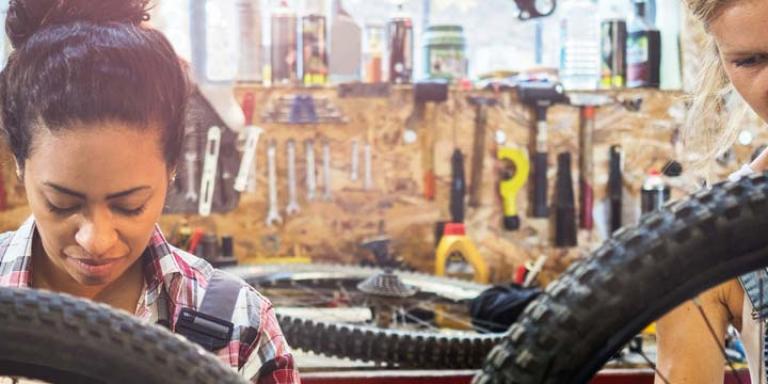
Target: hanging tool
(273, 215)
(513, 173)
(458, 187)
(355, 163)
(190, 163)
(303, 110)
(565, 206)
(615, 187)
(246, 174)
(481, 105)
(588, 104)
(586, 167)
(540, 96)
(309, 148)
(208, 180)
(421, 123)
(327, 171)
(194, 240)
(293, 205)
(368, 159)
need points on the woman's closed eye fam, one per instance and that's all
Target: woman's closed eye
(130, 211)
(63, 211)
(122, 210)
(750, 61)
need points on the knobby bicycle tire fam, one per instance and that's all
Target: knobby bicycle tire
(62, 339)
(402, 348)
(568, 333)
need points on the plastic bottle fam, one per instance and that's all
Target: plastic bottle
(373, 53)
(284, 56)
(654, 193)
(346, 46)
(314, 41)
(400, 47)
(613, 49)
(579, 45)
(668, 20)
(643, 50)
(249, 64)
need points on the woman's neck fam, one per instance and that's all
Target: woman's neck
(122, 293)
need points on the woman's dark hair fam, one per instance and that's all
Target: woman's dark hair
(85, 62)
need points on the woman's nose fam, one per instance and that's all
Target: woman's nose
(97, 233)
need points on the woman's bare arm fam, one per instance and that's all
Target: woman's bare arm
(687, 351)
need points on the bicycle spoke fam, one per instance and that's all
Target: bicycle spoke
(417, 320)
(653, 365)
(714, 337)
(460, 320)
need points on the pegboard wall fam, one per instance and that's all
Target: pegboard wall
(331, 228)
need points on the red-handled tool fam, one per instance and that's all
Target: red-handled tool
(248, 107)
(586, 167)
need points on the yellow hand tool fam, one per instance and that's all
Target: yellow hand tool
(514, 171)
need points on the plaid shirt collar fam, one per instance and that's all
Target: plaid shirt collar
(161, 265)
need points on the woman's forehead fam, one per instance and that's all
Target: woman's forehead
(741, 25)
(90, 155)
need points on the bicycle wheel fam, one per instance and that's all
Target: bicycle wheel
(321, 309)
(598, 304)
(61, 339)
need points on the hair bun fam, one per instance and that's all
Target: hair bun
(25, 17)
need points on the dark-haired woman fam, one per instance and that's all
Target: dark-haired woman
(92, 108)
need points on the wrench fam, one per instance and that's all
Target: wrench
(190, 159)
(247, 172)
(368, 182)
(293, 205)
(327, 171)
(311, 182)
(210, 164)
(273, 216)
(355, 166)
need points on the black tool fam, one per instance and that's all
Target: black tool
(458, 186)
(565, 205)
(615, 187)
(540, 96)
(481, 105)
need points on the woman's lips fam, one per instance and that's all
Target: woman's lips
(95, 267)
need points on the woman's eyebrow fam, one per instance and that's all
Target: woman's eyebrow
(80, 195)
(128, 192)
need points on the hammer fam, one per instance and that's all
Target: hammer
(588, 105)
(423, 93)
(540, 96)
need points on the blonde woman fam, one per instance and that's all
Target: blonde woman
(736, 60)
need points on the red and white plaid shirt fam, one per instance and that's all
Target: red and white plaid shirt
(258, 349)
